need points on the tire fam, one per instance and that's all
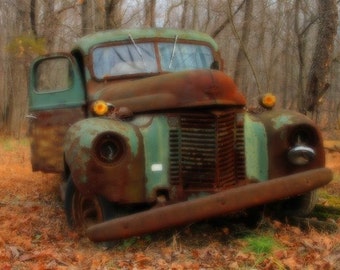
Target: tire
(300, 206)
(84, 211)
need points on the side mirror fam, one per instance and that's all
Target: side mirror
(215, 65)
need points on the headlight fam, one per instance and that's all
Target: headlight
(301, 155)
(302, 140)
(109, 147)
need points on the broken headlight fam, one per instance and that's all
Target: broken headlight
(109, 147)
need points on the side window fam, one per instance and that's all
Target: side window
(53, 74)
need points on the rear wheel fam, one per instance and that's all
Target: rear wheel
(83, 211)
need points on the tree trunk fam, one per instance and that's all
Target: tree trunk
(241, 68)
(224, 24)
(87, 25)
(301, 58)
(317, 83)
(32, 18)
(150, 6)
(113, 17)
(17, 83)
(184, 14)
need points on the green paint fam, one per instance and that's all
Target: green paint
(282, 120)
(87, 42)
(81, 136)
(256, 151)
(156, 145)
(74, 96)
(88, 129)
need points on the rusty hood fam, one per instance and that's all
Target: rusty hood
(172, 90)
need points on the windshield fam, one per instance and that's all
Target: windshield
(124, 59)
(177, 57)
(138, 58)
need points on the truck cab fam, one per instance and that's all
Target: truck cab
(142, 118)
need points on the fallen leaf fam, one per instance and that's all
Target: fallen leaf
(15, 251)
(291, 263)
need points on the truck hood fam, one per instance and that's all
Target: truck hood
(172, 90)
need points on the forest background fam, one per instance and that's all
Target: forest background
(289, 48)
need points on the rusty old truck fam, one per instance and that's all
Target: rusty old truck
(149, 133)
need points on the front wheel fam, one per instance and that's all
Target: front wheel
(300, 206)
(83, 211)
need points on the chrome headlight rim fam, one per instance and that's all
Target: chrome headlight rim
(301, 155)
(303, 141)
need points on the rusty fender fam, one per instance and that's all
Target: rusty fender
(224, 202)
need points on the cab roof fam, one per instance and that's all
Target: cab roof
(87, 42)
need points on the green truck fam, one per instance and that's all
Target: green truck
(149, 132)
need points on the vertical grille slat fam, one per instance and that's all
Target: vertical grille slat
(206, 150)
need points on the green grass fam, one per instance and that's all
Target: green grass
(261, 244)
(330, 194)
(6, 144)
(9, 144)
(328, 199)
(326, 212)
(328, 206)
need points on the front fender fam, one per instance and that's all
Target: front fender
(268, 138)
(120, 181)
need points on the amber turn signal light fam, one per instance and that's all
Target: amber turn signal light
(100, 107)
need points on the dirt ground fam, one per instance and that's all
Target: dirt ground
(34, 233)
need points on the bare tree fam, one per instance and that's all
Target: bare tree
(150, 7)
(184, 14)
(32, 17)
(87, 20)
(100, 15)
(49, 23)
(113, 16)
(223, 25)
(301, 42)
(241, 60)
(195, 12)
(16, 82)
(4, 9)
(318, 84)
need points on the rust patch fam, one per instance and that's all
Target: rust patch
(47, 132)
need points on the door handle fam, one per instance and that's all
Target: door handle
(31, 116)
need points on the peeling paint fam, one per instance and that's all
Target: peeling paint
(281, 121)
(80, 139)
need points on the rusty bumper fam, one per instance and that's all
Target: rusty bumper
(224, 202)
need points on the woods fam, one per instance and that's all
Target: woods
(288, 48)
(176, 148)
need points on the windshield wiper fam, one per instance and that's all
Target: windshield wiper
(138, 51)
(173, 52)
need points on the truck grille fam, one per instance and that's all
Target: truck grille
(206, 150)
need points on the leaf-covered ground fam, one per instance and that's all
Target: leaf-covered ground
(34, 233)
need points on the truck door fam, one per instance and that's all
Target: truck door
(56, 100)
